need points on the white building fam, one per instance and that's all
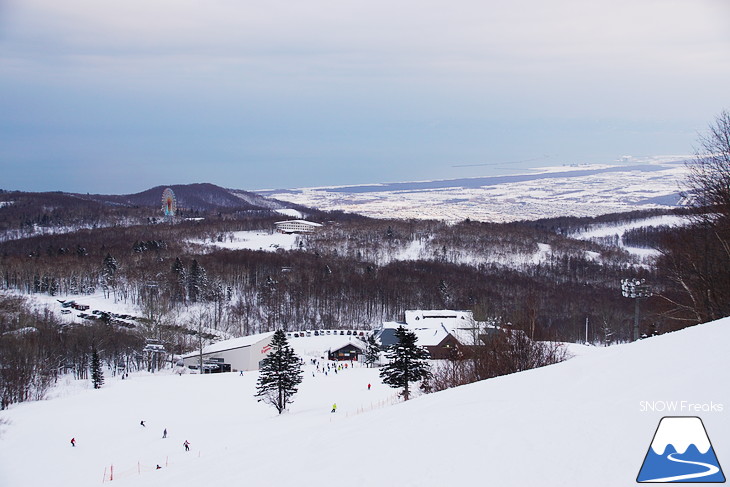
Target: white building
(244, 353)
(297, 226)
(438, 329)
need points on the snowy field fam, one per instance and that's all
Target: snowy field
(413, 250)
(598, 231)
(578, 423)
(255, 240)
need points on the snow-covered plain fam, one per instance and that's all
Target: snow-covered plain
(578, 423)
(575, 190)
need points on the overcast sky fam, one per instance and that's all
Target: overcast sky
(112, 96)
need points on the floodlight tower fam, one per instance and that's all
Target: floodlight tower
(636, 289)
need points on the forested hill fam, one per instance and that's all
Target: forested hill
(26, 213)
(198, 196)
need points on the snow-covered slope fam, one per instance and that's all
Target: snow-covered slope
(599, 231)
(583, 422)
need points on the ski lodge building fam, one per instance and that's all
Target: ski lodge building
(244, 353)
(353, 350)
(441, 332)
(297, 226)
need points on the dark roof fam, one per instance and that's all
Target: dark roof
(387, 337)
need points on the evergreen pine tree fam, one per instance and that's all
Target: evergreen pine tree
(372, 351)
(108, 273)
(97, 375)
(407, 362)
(280, 373)
(197, 282)
(445, 293)
(180, 280)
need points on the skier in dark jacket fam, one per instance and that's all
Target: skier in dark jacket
(73, 441)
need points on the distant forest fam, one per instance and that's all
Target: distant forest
(347, 275)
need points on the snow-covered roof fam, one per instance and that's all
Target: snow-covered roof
(432, 326)
(231, 344)
(426, 337)
(430, 337)
(392, 324)
(357, 343)
(434, 317)
(465, 336)
(301, 222)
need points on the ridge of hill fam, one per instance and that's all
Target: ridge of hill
(25, 214)
(198, 196)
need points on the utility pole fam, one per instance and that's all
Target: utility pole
(636, 289)
(200, 317)
(200, 346)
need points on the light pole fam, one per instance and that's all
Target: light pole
(637, 290)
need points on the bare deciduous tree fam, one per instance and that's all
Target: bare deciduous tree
(697, 259)
(709, 173)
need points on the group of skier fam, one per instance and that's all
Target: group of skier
(186, 443)
(335, 367)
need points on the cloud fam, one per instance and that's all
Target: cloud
(515, 35)
(343, 80)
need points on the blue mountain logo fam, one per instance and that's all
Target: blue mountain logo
(681, 452)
